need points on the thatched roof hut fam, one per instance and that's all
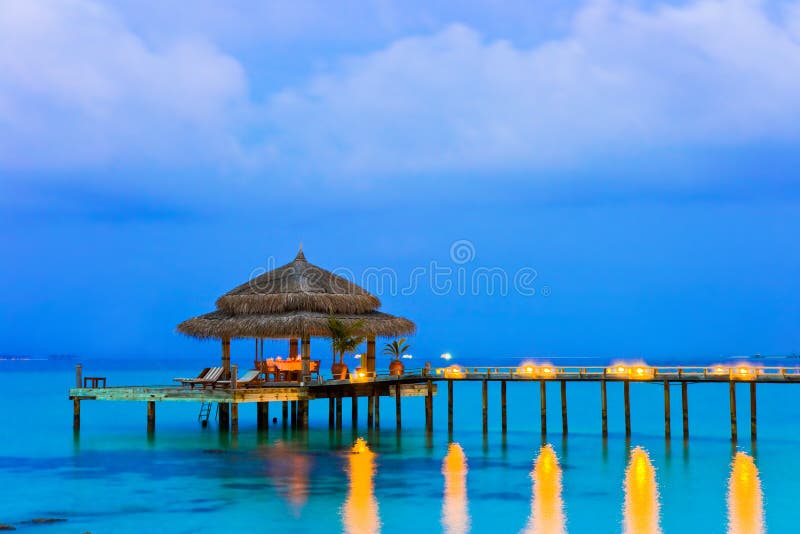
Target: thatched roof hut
(294, 301)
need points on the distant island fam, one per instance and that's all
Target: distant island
(23, 357)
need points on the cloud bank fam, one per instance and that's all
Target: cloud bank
(80, 88)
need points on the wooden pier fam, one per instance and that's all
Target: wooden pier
(294, 398)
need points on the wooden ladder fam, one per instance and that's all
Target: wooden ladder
(205, 413)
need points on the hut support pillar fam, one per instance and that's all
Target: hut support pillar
(262, 415)
(224, 416)
(398, 412)
(284, 413)
(226, 357)
(331, 412)
(151, 417)
(503, 416)
(667, 421)
(235, 417)
(429, 408)
(685, 409)
(302, 414)
(485, 398)
(543, 400)
(377, 398)
(371, 408)
(450, 409)
(604, 408)
(752, 410)
(627, 398)
(564, 424)
(368, 363)
(354, 406)
(732, 390)
(306, 360)
(293, 414)
(293, 348)
(338, 411)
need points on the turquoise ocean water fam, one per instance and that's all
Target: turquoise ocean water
(114, 478)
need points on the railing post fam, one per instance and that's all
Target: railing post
(79, 376)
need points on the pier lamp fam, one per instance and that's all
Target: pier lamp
(447, 356)
(357, 356)
(719, 370)
(406, 356)
(744, 373)
(527, 369)
(547, 372)
(642, 372)
(454, 371)
(619, 370)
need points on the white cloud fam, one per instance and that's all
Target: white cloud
(625, 77)
(78, 88)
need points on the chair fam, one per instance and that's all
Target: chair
(250, 378)
(209, 379)
(202, 375)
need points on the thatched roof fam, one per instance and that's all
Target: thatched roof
(221, 324)
(298, 286)
(294, 301)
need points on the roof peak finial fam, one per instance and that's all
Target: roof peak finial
(300, 255)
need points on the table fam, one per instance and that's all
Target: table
(94, 381)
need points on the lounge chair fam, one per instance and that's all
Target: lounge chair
(202, 375)
(250, 378)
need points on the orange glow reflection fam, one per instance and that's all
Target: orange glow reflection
(745, 500)
(455, 515)
(547, 505)
(360, 512)
(641, 511)
(291, 469)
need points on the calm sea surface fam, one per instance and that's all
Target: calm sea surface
(113, 478)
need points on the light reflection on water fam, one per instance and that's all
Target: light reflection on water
(641, 508)
(360, 512)
(455, 513)
(745, 500)
(547, 505)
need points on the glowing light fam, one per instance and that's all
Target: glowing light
(455, 513)
(547, 370)
(529, 369)
(406, 356)
(745, 499)
(454, 371)
(547, 504)
(620, 369)
(447, 356)
(362, 375)
(357, 356)
(360, 510)
(641, 509)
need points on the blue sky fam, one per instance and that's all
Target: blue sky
(641, 157)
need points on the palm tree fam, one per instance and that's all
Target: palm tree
(396, 348)
(343, 337)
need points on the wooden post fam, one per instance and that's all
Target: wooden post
(293, 350)
(303, 414)
(429, 408)
(235, 417)
(76, 415)
(667, 418)
(234, 375)
(564, 425)
(368, 364)
(338, 411)
(685, 409)
(377, 410)
(305, 363)
(355, 410)
(79, 376)
(293, 413)
(262, 415)
(371, 408)
(398, 414)
(485, 393)
(285, 413)
(732, 389)
(627, 395)
(331, 412)
(450, 408)
(226, 357)
(543, 401)
(151, 417)
(503, 417)
(224, 416)
(604, 408)
(752, 410)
